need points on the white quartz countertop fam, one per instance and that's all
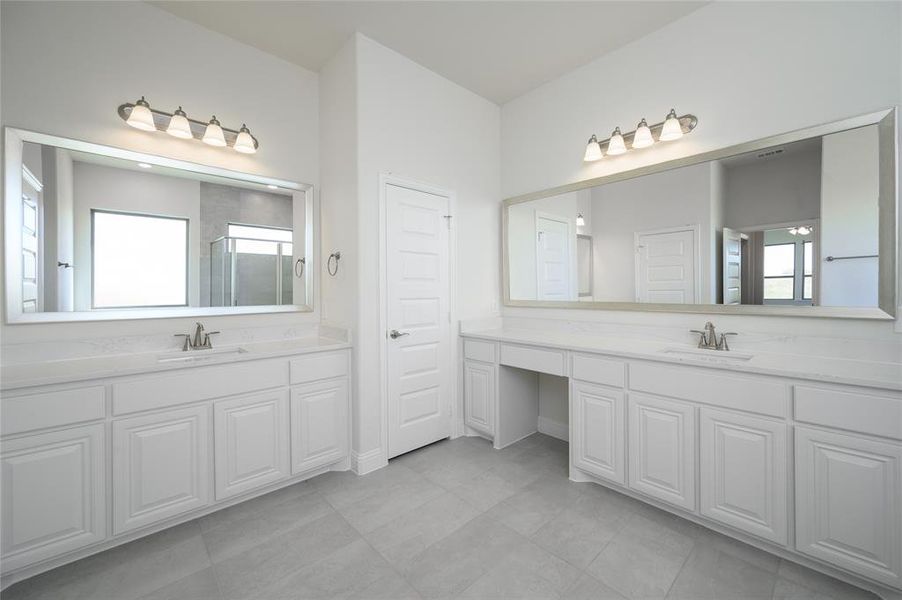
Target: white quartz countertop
(884, 375)
(21, 375)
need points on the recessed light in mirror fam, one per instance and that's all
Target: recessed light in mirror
(272, 187)
(145, 165)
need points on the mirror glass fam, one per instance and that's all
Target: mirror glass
(102, 233)
(793, 224)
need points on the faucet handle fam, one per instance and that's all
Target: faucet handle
(187, 343)
(722, 344)
(703, 337)
(207, 342)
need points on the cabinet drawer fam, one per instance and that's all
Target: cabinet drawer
(52, 409)
(533, 359)
(752, 394)
(196, 384)
(475, 350)
(319, 366)
(597, 370)
(852, 410)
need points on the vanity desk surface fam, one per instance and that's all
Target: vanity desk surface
(16, 376)
(884, 375)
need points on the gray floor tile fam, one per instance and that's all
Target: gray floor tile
(589, 588)
(250, 508)
(407, 536)
(199, 586)
(526, 572)
(387, 504)
(750, 554)
(345, 488)
(536, 504)
(487, 489)
(711, 574)
(820, 583)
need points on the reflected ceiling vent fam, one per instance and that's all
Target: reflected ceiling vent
(770, 153)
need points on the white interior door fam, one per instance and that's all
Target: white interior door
(418, 358)
(31, 243)
(666, 270)
(732, 266)
(555, 258)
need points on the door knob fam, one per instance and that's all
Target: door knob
(395, 334)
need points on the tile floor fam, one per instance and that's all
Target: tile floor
(453, 520)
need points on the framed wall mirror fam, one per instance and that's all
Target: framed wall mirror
(100, 233)
(800, 224)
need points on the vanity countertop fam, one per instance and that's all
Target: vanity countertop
(884, 375)
(16, 376)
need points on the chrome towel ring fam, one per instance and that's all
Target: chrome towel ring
(301, 262)
(335, 256)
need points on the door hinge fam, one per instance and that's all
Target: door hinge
(448, 220)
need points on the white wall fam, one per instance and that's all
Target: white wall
(744, 70)
(417, 125)
(95, 56)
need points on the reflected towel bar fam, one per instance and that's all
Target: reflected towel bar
(832, 258)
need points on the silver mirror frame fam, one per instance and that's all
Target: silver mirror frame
(887, 237)
(12, 180)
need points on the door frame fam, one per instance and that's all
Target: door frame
(457, 426)
(695, 229)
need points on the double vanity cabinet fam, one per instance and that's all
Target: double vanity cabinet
(797, 466)
(91, 463)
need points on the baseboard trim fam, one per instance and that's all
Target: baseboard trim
(367, 462)
(557, 430)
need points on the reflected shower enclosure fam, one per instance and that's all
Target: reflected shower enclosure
(252, 266)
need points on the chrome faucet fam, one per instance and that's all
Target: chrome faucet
(200, 340)
(708, 338)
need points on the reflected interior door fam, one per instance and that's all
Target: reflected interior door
(666, 267)
(418, 356)
(732, 266)
(31, 244)
(555, 258)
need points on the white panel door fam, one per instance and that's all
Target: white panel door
(555, 258)
(597, 429)
(32, 263)
(662, 449)
(479, 396)
(161, 466)
(666, 267)
(743, 472)
(251, 441)
(319, 424)
(849, 502)
(53, 494)
(419, 336)
(732, 266)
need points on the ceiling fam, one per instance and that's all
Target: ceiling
(498, 49)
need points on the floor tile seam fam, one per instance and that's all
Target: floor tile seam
(211, 567)
(254, 513)
(427, 500)
(682, 567)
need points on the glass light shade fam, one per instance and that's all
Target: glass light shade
(140, 117)
(642, 138)
(593, 150)
(244, 143)
(179, 126)
(803, 230)
(580, 220)
(793, 231)
(615, 144)
(213, 134)
(671, 129)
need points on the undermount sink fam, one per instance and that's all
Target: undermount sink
(705, 354)
(199, 355)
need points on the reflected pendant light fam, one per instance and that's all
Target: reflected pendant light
(642, 138)
(213, 134)
(672, 130)
(616, 145)
(244, 143)
(141, 117)
(179, 126)
(593, 150)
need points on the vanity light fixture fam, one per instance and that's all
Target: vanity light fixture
(580, 220)
(801, 230)
(178, 124)
(672, 128)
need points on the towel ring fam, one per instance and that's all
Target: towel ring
(336, 256)
(301, 262)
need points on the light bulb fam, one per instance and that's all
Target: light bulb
(213, 134)
(244, 143)
(140, 117)
(615, 144)
(593, 150)
(580, 220)
(179, 126)
(803, 230)
(672, 130)
(793, 231)
(642, 138)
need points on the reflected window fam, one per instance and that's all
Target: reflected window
(808, 269)
(258, 239)
(138, 260)
(779, 272)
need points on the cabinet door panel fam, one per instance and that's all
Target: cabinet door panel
(251, 441)
(160, 466)
(849, 502)
(743, 472)
(319, 424)
(597, 443)
(479, 396)
(53, 494)
(662, 449)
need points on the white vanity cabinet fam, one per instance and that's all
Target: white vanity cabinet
(87, 466)
(480, 388)
(598, 430)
